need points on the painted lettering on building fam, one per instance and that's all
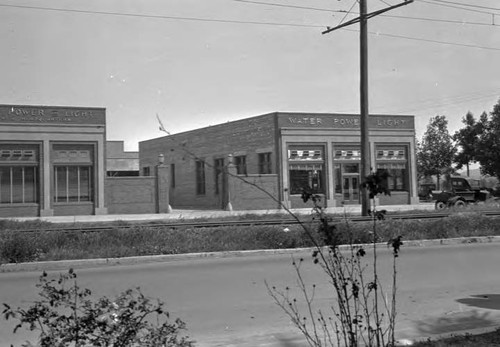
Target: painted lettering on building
(306, 120)
(33, 114)
(391, 123)
(346, 122)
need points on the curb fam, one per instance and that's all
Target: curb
(89, 263)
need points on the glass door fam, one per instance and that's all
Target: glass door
(350, 189)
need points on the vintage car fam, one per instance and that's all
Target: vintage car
(459, 192)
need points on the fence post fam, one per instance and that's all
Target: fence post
(229, 182)
(162, 186)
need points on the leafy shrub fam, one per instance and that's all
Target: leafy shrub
(66, 315)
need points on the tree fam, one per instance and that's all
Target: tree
(488, 148)
(436, 152)
(467, 139)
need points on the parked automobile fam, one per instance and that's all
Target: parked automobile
(459, 192)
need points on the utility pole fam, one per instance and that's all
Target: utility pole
(363, 88)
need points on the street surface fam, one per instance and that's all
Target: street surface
(441, 290)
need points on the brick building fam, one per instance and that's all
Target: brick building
(56, 161)
(283, 153)
(52, 160)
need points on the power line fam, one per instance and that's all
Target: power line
(457, 7)
(283, 5)
(433, 41)
(437, 20)
(347, 13)
(237, 22)
(162, 17)
(467, 5)
(432, 103)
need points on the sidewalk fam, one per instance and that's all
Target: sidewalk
(194, 214)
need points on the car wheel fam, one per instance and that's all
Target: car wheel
(440, 205)
(459, 204)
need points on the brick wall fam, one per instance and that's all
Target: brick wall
(29, 210)
(130, 195)
(244, 196)
(244, 137)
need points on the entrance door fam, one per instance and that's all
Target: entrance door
(350, 189)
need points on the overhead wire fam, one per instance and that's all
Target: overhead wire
(348, 12)
(453, 6)
(432, 41)
(229, 21)
(198, 19)
(467, 5)
(437, 20)
(432, 103)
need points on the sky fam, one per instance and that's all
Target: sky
(197, 63)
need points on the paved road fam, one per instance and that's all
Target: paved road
(225, 302)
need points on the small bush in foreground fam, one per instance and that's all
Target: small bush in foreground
(359, 312)
(67, 316)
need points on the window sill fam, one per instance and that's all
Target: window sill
(20, 204)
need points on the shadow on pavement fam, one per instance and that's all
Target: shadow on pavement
(455, 322)
(489, 301)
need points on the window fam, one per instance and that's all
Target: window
(18, 184)
(392, 159)
(200, 177)
(265, 163)
(309, 178)
(73, 177)
(146, 171)
(73, 183)
(172, 175)
(338, 179)
(397, 179)
(305, 165)
(241, 164)
(19, 176)
(218, 170)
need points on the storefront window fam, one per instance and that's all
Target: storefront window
(393, 160)
(18, 174)
(73, 183)
(306, 170)
(73, 173)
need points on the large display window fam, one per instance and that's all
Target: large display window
(394, 160)
(73, 173)
(19, 174)
(306, 169)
